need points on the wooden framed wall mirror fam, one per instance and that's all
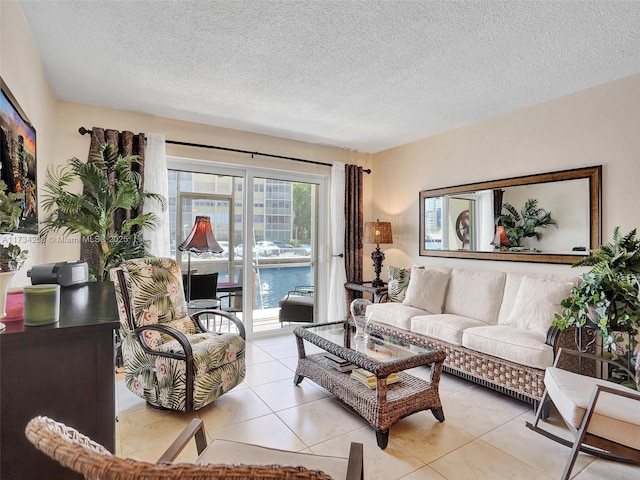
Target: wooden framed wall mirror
(460, 221)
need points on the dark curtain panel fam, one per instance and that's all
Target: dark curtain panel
(497, 202)
(354, 223)
(128, 143)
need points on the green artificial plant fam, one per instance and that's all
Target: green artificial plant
(12, 256)
(608, 296)
(526, 223)
(109, 186)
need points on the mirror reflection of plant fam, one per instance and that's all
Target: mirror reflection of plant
(12, 256)
(526, 223)
(109, 185)
(608, 297)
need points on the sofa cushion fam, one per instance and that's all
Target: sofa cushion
(512, 285)
(398, 282)
(393, 313)
(515, 344)
(536, 303)
(426, 289)
(615, 417)
(445, 327)
(475, 294)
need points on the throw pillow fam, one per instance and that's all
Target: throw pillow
(426, 289)
(398, 281)
(537, 302)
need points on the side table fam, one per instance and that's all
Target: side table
(377, 293)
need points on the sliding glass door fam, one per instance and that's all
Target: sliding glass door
(268, 225)
(284, 216)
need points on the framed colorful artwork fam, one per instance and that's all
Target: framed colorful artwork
(18, 158)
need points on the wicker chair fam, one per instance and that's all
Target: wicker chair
(604, 417)
(169, 358)
(80, 454)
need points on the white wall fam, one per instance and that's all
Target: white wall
(592, 127)
(22, 71)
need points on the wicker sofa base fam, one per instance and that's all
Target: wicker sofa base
(519, 381)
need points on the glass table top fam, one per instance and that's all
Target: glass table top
(375, 346)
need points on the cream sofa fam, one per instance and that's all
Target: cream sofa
(495, 327)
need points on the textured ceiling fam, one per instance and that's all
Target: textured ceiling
(362, 75)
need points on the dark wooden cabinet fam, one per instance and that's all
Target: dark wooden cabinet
(64, 371)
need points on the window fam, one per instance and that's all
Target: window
(273, 215)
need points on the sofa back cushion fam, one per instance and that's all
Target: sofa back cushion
(512, 286)
(475, 294)
(426, 289)
(536, 303)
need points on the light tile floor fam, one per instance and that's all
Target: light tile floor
(483, 437)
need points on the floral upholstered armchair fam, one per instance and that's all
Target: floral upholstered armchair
(169, 358)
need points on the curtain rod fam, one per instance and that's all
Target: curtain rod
(84, 131)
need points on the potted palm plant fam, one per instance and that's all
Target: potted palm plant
(526, 223)
(608, 297)
(109, 186)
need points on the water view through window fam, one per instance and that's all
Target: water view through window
(282, 216)
(273, 283)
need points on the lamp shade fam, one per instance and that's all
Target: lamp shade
(500, 240)
(378, 232)
(201, 238)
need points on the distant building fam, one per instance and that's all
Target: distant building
(272, 205)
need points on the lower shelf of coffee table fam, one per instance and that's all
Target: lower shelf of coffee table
(409, 395)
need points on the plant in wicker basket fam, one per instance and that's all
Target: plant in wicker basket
(609, 297)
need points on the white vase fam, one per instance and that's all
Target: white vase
(5, 281)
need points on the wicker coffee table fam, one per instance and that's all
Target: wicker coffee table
(384, 405)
